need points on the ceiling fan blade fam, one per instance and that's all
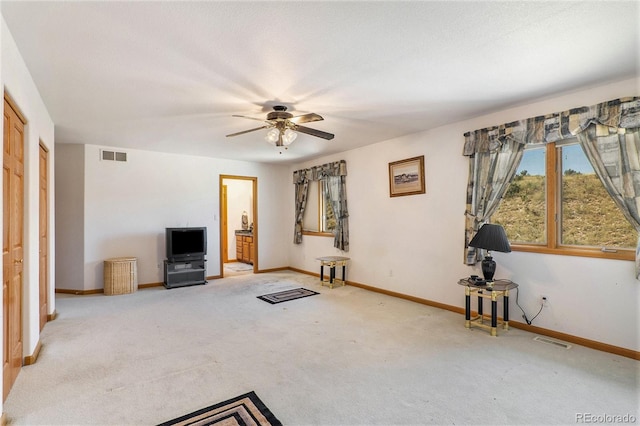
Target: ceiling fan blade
(306, 118)
(314, 132)
(247, 131)
(251, 118)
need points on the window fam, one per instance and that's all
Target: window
(557, 204)
(318, 218)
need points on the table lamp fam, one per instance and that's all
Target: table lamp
(490, 237)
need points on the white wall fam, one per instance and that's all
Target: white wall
(16, 81)
(239, 201)
(414, 244)
(127, 206)
(69, 174)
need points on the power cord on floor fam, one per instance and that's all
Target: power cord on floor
(524, 314)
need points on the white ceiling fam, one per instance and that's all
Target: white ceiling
(168, 76)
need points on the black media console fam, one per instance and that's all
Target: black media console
(184, 273)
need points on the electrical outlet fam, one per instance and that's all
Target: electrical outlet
(544, 300)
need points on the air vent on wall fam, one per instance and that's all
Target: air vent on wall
(113, 155)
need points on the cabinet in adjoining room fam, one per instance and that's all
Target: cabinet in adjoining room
(244, 246)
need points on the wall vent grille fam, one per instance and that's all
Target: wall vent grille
(113, 155)
(552, 342)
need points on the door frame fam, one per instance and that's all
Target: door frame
(43, 214)
(223, 221)
(223, 225)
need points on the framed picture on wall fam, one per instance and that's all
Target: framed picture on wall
(406, 177)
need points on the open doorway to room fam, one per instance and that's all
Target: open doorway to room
(238, 225)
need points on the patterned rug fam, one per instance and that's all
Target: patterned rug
(284, 296)
(243, 410)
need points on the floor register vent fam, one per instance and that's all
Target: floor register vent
(113, 155)
(552, 342)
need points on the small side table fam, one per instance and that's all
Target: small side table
(332, 262)
(500, 288)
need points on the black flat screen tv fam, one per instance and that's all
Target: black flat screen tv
(186, 243)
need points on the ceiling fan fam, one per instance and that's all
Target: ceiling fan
(283, 126)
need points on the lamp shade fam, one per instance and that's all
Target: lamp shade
(288, 137)
(272, 135)
(491, 237)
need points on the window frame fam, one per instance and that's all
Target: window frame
(553, 182)
(320, 213)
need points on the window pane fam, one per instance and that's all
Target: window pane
(328, 216)
(589, 216)
(310, 219)
(522, 211)
(318, 213)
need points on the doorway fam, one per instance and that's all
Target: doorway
(238, 225)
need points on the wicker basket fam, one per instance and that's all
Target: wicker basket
(120, 275)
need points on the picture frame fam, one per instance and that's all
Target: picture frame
(406, 177)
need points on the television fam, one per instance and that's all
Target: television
(186, 243)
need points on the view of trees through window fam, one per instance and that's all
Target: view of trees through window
(522, 211)
(318, 215)
(586, 214)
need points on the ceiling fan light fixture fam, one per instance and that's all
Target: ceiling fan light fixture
(283, 128)
(288, 137)
(272, 135)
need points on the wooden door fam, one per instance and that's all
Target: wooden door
(225, 230)
(44, 235)
(12, 245)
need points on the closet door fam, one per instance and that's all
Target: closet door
(12, 244)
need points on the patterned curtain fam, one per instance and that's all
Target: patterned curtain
(335, 175)
(337, 168)
(301, 181)
(615, 157)
(337, 192)
(622, 115)
(490, 172)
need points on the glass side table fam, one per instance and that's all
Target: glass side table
(332, 262)
(493, 291)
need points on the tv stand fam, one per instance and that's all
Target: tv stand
(185, 272)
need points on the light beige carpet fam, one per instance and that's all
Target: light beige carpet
(346, 356)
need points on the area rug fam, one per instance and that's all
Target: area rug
(284, 296)
(243, 410)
